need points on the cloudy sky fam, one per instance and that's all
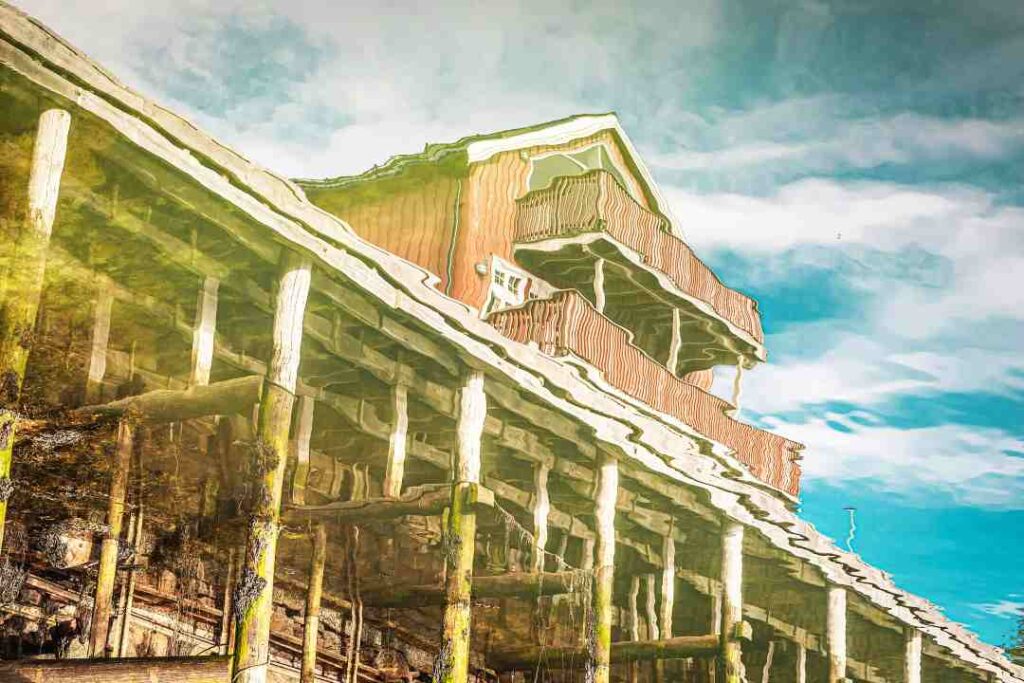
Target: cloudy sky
(857, 166)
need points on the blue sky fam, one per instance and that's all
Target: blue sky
(856, 166)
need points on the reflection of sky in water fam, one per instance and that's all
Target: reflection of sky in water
(855, 166)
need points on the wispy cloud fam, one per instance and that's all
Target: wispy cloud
(1006, 609)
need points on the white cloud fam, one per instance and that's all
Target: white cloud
(966, 465)
(1006, 609)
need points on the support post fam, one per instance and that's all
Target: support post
(835, 634)
(801, 664)
(255, 586)
(737, 387)
(452, 663)
(225, 635)
(607, 494)
(203, 332)
(24, 281)
(541, 508)
(107, 569)
(668, 593)
(769, 658)
(311, 623)
(100, 339)
(912, 655)
(732, 601)
(398, 441)
(124, 637)
(677, 342)
(599, 299)
(634, 625)
(303, 435)
(651, 593)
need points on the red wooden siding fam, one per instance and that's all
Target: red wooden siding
(568, 323)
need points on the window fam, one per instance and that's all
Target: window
(511, 286)
(546, 168)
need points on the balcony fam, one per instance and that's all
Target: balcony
(569, 324)
(563, 228)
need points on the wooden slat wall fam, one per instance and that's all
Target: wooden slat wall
(489, 207)
(412, 217)
(568, 323)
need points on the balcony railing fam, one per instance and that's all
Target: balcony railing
(568, 323)
(595, 202)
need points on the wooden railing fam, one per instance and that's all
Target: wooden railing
(595, 202)
(568, 323)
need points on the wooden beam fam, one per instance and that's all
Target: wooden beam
(23, 281)
(835, 634)
(622, 651)
(732, 602)
(107, 569)
(510, 585)
(303, 434)
(541, 509)
(912, 655)
(100, 338)
(311, 621)
(254, 597)
(604, 513)
(397, 441)
(150, 670)
(175, 405)
(426, 500)
(203, 332)
(452, 662)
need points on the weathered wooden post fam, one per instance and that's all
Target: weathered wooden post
(835, 634)
(651, 611)
(397, 441)
(452, 663)
(25, 281)
(124, 637)
(226, 633)
(255, 586)
(634, 625)
(203, 332)
(311, 623)
(912, 655)
(732, 601)
(100, 339)
(801, 664)
(107, 569)
(607, 494)
(668, 594)
(672, 363)
(303, 436)
(541, 508)
(599, 299)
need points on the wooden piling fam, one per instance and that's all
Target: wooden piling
(731, 664)
(835, 634)
(607, 494)
(203, 332)
(311, 622)
(107, 569)
(452, 662)
(800, 675)
(541, 508)
(676, 343)
(24, 281)
(668, 594)
(100, 339)
(912, 655)
(397, 441)
(255, 586)
(303, 436)
(634, 625)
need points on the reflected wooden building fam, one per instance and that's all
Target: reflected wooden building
(447, 420)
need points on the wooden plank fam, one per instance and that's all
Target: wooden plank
(510, 585)
(254, 599)
(23, 283)
(132, 670)
(623, 651)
